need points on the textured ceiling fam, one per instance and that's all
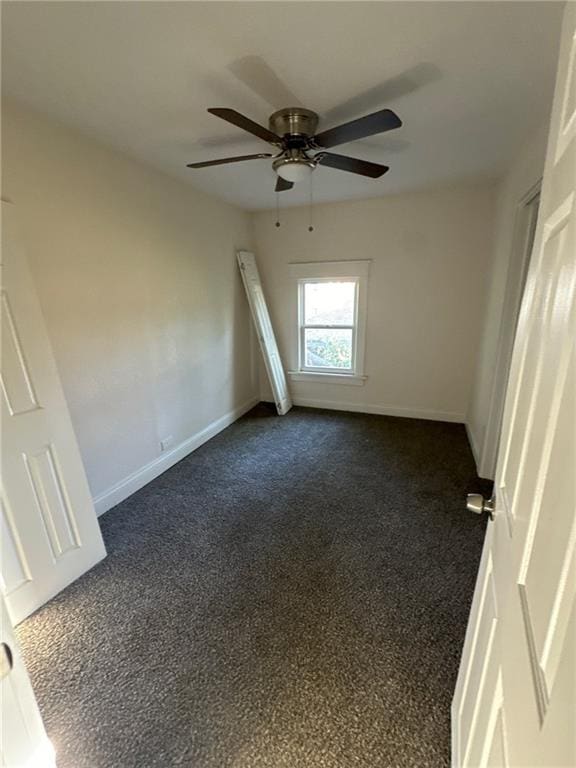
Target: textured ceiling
(468, 79)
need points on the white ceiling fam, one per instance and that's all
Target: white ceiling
(468, 79)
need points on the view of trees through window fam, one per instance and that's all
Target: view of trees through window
(329, 317)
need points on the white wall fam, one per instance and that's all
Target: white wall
(141, 294)
(502, 298)
(150, 327)
(430, 253)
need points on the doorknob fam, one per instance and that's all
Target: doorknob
(476, 503)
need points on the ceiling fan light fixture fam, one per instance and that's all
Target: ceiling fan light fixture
(294, 170)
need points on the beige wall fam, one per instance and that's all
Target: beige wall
(502, 300)
(140, 290)
(430, 254)
(150, 327)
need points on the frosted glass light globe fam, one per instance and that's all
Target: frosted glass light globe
(294, 171)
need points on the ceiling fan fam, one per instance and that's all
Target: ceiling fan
(292, 132)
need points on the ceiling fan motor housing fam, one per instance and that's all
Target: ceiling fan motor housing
(294, 122)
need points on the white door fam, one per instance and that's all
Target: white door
(49, 530)
(24, 743)
(515, 699)
(265, 332)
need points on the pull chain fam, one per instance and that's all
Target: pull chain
(277, 209)
(311, 224)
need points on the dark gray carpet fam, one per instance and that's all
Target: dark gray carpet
(293, 594)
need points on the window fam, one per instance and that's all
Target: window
(330, 302)
(328, 325)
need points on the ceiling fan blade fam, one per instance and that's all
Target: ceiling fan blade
(224, 160)
(352, 164)
(378, 122)
(282, 185)
(231, 116)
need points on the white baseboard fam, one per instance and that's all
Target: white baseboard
(382, 410)
(138, 479)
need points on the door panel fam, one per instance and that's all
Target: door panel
(482, 646)
(51, 534)
(264, 331)
(480, 673)
(52, 500)
(495, 752)
(544, 581)
(15, 570)
(15, 377)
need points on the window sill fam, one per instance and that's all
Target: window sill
(351, 379)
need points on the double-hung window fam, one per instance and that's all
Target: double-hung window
(331, 310)
(328, 327)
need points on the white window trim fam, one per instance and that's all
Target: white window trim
(301, 272)
(328, 378)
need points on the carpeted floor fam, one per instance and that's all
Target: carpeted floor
(294, 594)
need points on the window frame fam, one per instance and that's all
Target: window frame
(303, 326)
(330, 271)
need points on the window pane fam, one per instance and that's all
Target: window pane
(328, 348)
(329, 303)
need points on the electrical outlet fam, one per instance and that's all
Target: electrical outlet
(166, 443)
